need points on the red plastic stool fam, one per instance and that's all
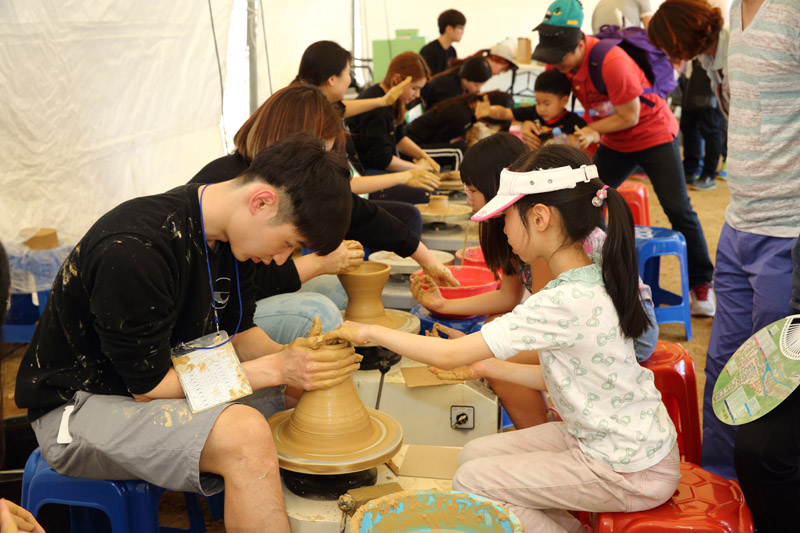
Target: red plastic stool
(638, 199)
(673, 369)
(704, 502)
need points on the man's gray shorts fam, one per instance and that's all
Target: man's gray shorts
(115, 437)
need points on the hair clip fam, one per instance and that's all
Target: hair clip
(600, 196)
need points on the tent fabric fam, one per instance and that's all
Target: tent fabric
(103, 101)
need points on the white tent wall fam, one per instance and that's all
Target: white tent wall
(103, 101)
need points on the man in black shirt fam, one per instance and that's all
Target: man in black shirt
(439, 52)
(155, 272)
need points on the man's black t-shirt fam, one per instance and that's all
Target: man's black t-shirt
(136, 285)
(441, 126)
(566, 122)
(436, 57)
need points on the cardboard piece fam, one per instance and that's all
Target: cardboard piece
(420, 376)
(436, 462)
(44, 239)
(523, 50)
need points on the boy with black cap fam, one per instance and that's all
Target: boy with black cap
(439, 52)
(632, 127)
(468, 78)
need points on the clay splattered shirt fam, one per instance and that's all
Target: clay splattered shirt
(134, 286)
(607, 400)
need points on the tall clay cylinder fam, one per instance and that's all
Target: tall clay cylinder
(364, 286)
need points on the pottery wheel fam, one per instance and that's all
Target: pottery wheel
(453, 213)
(386, 441)
(399, 320)
(407, 265)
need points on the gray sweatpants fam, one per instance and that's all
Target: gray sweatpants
(115, 437)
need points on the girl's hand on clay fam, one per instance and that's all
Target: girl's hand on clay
(441, 275)
(308, 366)
(350, 332)
(530, 134)
(473, 371)
(439, 330)
(425, 291)
(587, 135)
(14, 518)
(395, 92)
(422, 179)
(348, 256)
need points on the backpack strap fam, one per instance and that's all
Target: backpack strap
(596, 58)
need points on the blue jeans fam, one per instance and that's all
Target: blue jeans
(328, 285)
(697, 126)
(284, 317)
(752, 281)
(662, 163)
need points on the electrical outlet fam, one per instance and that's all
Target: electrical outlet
(462, 417)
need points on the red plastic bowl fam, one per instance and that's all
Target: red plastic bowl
(474, 280)
(474, 256)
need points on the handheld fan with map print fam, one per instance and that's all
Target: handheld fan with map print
(760, 374)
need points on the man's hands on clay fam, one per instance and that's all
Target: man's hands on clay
(422, 179)
(395, 92)
(308, 366)
(530, 134)
(348, 256)
(426, 162)
(441, 275)
(425, 291)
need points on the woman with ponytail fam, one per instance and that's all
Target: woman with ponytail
(615, 449)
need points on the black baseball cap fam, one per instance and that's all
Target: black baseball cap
(559, 32)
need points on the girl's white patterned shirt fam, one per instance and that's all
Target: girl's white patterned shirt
(607, 400)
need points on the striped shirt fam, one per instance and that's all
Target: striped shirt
(764, 127)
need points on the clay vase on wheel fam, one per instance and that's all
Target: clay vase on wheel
(364, 286)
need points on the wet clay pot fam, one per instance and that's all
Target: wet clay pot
(364, 286)
(439, 204)
(330, 431)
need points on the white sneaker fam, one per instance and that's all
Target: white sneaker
(703, 302)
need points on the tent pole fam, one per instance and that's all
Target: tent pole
(252, 9)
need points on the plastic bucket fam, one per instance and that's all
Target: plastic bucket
(426, 510)
(474, 280)
(474, 256)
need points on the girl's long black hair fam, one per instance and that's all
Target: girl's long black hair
(580, 217)
(481, 169)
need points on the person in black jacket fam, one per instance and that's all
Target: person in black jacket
(467, 78)
(379, 135)
(162, 270)
(447, 122)
(304, 108)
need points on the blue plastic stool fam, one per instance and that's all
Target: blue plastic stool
(131, 506)
(23, 315)
(505, 420)
(651, 244)
(427, 320)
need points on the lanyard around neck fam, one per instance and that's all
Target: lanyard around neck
(211, 279)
